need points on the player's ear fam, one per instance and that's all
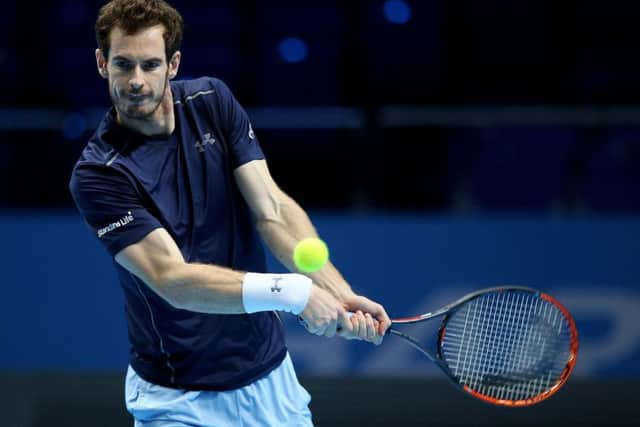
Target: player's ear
(101, 63)
(174, 64)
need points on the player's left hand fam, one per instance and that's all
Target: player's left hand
(369, 322)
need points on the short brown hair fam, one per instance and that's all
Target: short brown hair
(135, 15)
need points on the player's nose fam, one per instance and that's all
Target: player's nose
(136, 83)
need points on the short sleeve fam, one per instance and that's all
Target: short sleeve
(244, 143)
(111, 207)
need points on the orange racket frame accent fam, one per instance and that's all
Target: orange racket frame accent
(571, 362)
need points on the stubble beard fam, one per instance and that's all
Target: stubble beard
(133, 112)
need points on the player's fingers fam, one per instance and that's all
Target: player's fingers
(376, 310)
(385, 321)
(380, 314)
(377, 340)
(345, 327)
(353, 321)
(330, 331)
(317, 325)
(371, 331)
(365, 304)
(358, 323)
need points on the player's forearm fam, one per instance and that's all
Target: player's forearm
(217, 290)
(285, 230)
(203, 288)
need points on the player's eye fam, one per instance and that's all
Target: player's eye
(150, 66)
(123, 65)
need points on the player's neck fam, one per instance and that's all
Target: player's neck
(161, 122)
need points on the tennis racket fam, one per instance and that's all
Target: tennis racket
(509, 346)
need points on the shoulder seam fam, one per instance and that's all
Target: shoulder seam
(115, 156)
(194, 96)
(108, 163)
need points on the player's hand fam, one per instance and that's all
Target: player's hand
(323, 314)
(369, 322)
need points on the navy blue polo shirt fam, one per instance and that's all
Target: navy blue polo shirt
(126, 185)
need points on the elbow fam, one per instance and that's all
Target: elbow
(170, 286)
(272, 210)
(269, 222)
(276, 216)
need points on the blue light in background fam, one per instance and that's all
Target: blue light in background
(293, 49)
(397, 11)
(74, 125)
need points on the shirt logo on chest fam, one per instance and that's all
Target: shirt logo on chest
(207, 139)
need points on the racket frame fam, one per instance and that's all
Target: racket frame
(450, 308)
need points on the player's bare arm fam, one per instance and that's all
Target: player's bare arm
(204, 288)
(157, 261)
(282, 223)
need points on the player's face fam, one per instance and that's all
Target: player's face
(137, 71)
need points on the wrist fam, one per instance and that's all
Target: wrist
(347, 295)
(334, 284)
(283, 292)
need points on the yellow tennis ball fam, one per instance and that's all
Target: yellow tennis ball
(310, 255)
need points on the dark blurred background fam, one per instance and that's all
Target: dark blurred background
(439, 146)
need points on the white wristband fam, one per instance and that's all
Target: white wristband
(283, 292)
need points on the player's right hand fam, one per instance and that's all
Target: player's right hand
(324, 314)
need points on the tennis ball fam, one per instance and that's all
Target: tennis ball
(310, 255)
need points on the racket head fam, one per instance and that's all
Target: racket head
(508, 346)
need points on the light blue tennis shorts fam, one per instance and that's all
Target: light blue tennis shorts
(275, 400)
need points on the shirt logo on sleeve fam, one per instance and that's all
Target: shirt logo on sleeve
(128, 218)
(207, 139)
(251, 134)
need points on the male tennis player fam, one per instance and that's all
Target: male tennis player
(175, 185)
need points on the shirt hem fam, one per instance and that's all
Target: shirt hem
(234, 383)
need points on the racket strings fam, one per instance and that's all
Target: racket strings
(509, 345)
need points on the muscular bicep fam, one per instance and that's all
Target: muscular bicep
(260, 191)
(152, 260)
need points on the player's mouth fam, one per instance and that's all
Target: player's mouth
(137, 98)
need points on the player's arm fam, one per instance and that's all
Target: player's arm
(145, 249)
(158, 262)
(282, 223)
(205, 288)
